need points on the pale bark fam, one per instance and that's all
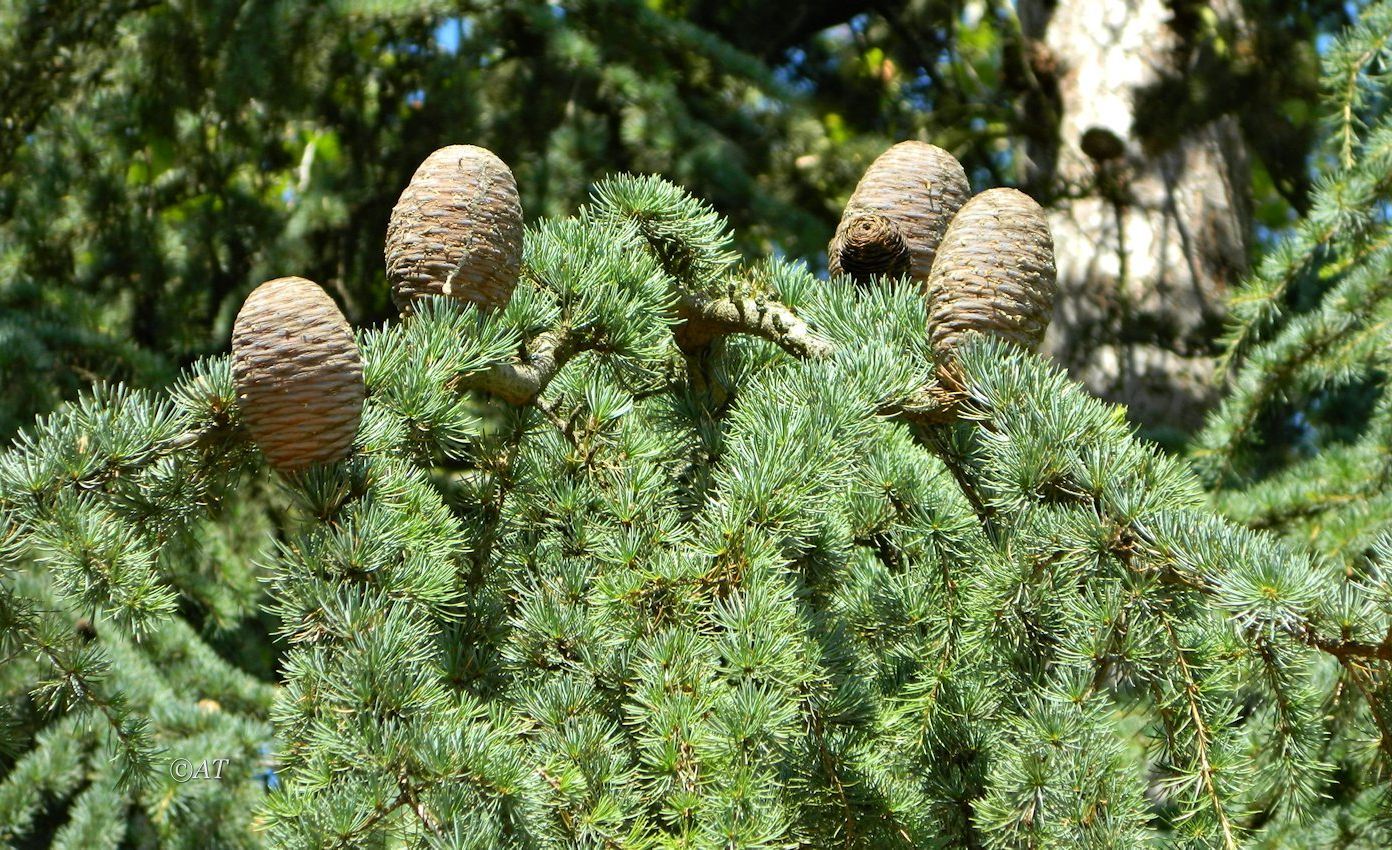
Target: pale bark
(1148, 240)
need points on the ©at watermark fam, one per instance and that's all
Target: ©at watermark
(184, 770)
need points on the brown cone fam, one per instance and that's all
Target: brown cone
(994, 272)
(917, 186)
(869, 246)
(456, 230)
(298, 374)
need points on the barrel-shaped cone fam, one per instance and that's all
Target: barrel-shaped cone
(298, 374)
(456, 230)
(918, 188)
(994, 272)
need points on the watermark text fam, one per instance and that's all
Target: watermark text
(185, 770)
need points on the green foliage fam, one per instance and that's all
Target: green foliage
(1299, 444)
(710, 596)
(158, 160)
(162, 159)
(690, 240)
(592, 578)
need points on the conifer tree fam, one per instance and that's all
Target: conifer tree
(1300, 442)
(1299, 445)
(160, 160)
(669, 550)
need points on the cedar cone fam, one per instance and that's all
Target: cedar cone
(298, 374)
(994, 272)
(918, 187)
(869, 246)
(456, 230)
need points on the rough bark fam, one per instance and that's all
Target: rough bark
(1150, 224)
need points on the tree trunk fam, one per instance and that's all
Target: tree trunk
(1150, 223)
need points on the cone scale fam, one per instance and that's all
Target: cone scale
(870, 246)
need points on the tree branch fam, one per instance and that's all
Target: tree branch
(1346, 650)
(701, 319)
(520, 382)
(704, 318)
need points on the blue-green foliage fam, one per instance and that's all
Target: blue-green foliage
(1299, 447)
(1298, 444)
(712, 597)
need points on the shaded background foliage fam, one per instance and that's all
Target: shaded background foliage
(158, 159)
